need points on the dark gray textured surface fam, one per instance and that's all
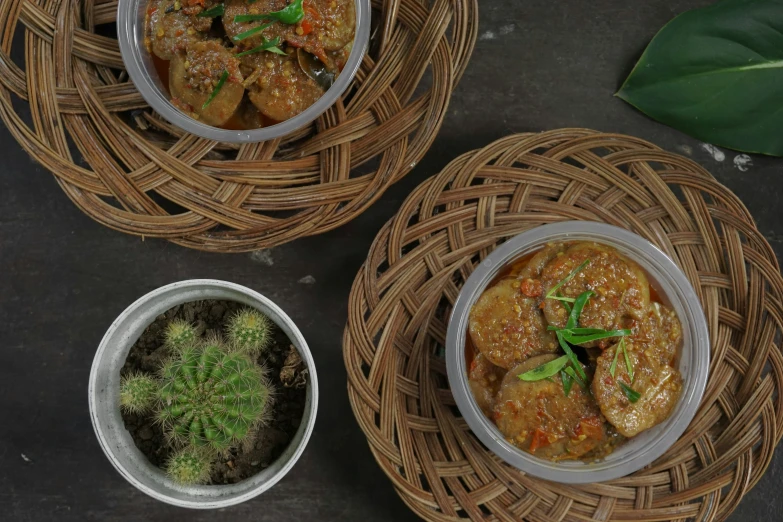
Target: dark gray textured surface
(538, 65)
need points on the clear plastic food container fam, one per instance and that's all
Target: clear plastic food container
(140, 67)
(693, 363)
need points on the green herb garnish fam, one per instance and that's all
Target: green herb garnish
(581, 339)
(551, 293)
(567, 380)
(574, 334)
(291, 14)
(613, 367)
(251, 32)
(216, 90)
(577, 331)
(214, 12)
(630, 393)
(571, 356)
(576, 311)
(570, 371)
(545, 370)
(628, 364)
(270, 46)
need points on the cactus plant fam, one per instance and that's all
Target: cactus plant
(180, 335)
(211, 398)
(138, 393)
(249, 331)
(190, 466)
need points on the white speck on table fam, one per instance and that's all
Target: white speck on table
(743, 162)
(263, 256)
(713, 151)
(686, 149)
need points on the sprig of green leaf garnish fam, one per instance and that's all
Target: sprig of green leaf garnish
(570, 371)
(631, 394)
(571, 356)
(567, 381)
(214, 12)
(552, 294)
(216, 90)
(576, 311)
(581, 339)
(268, 45)
(568, 365)
(545, 370)
(251, 32)
(291, 14)
(628, 365)
(613, 367)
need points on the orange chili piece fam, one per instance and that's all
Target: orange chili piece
(307, 27)
(540, 440)
(591, 427)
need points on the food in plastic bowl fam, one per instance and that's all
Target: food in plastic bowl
(577, 352)
(239, 71)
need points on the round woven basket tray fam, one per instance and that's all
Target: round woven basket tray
(142, 176)
(401, 301)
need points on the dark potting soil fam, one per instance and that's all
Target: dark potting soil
(285, 370)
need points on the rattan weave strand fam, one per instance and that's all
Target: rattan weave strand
(401, 300)
(142, 176)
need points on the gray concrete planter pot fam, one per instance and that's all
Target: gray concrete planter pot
(104, 397)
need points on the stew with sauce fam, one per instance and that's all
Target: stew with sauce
(571, 352)
(246, 64)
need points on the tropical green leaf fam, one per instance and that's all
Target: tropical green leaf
(716, 73)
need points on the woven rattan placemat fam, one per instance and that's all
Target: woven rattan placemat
(142, 176)
(402, 297)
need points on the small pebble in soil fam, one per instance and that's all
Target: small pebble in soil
(210, 317)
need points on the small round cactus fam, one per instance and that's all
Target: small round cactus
(138, 393)
(212, 398)
(190, 466)
(180, 335)
(249, 331)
